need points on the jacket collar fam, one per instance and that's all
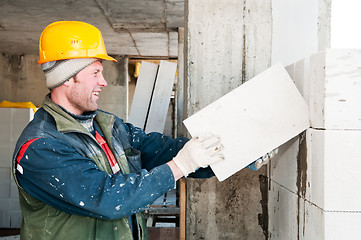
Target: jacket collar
(66, 121)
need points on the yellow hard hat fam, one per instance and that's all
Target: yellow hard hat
(71, 39)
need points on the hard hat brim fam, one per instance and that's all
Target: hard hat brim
(99, 56)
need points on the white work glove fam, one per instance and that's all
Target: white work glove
(262, 160)
(199, 152)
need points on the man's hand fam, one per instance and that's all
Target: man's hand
(262, 160)
(198, 152)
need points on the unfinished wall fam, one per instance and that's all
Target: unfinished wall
(226, 43)
(311, 194)
(23, 81)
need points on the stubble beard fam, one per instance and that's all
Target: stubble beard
(82, 102)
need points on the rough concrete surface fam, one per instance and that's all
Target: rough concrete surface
(233, 209)
(137, 28)
(227, 43)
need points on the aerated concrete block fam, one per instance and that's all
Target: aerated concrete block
(290, 167)
(12, 123)
(282, 211)
(314, 175)
(321, 166)
(6, 153)
(15, 219)
(334, 170)
(292, 217)
(20, 117)
(342, 225)
(259, 116)
(5, 127)
(4, 213)
(14, 194)
(283, 166)
(5, 182)
(330, 81)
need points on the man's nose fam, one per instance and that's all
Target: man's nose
(102, 82)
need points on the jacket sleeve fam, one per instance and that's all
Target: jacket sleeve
(157, 149)
(56, 174)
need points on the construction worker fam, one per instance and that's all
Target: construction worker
(83, 173)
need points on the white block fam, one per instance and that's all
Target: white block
(14, 204)
(5, 127)
(282, 211)
(5, 182)
(300, 73)
(330, 82)
(20, 117)
(15, 212)
(15, 219)
(12, 123)
(4, 213)
(342, 225)
(334, 170)
(6, 153)
(294, 169)
(143, 94)
(14, 192)
(161, 97)
(291, 217)
(328, 175)
(283, 166)
(253, 119)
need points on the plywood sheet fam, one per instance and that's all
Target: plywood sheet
(253, 119)
(143, 94)
(161, 97)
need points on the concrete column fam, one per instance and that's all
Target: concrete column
(179, 110)
(226, 43)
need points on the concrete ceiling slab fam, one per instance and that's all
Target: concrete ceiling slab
(135, 28)
(151, 44)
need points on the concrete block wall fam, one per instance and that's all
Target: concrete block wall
(314, 178)
(12, 123)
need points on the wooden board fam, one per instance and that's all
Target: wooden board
(143, 94)
(253, 119)
(161, 96)
(182, 207)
